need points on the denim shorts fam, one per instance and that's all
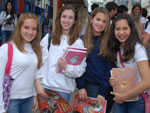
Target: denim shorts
(66, 96)
(20, 105)
(130, 107)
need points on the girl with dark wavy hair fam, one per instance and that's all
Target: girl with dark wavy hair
(124, 39)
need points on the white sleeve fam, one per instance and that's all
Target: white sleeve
(142, 20)
(38, 74)
(76, 71)
(148, 29)
(3, 62)
(140, 53)
(2, 16)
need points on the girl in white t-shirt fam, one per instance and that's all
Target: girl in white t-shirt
(25, 68)
(124, 38)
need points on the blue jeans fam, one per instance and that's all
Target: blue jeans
(130, 107)
(20, 105)
(5, 35)
(92, 90)
(66, 96)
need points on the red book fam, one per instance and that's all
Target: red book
(54, 104)
(127, 79)
(74, 56)
(88, 105)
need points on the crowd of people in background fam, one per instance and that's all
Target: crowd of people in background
(106, 32)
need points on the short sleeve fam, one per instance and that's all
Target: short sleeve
(140, 53)
(148, 29)
(142, 20)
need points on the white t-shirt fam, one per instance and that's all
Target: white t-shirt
(23, 70)
(148, 29)
(140, 55)
(143, 20)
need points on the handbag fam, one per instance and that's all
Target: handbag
(7, 82)
(146, 96)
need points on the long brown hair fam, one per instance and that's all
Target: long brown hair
(88, 40)
(35, 43)
(73, 34)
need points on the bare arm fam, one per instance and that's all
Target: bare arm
(146, 38)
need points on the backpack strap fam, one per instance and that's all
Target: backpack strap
(49, 40)
(148, 22)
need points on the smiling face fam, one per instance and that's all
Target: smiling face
(137, 10)
(29, 30)
(122, 30)
(67, 20)
(99, 23)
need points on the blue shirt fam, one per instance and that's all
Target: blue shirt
(97, 70)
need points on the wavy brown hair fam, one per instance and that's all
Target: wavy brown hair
(35, 43)
(73, 34)
(89, 35)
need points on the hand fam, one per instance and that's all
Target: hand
(82, 93)
(118, 98)
(100, 100)
(62, 63)
(113, 81)
(5, 19)
(40, 89)
(35, 104)
(12, 22)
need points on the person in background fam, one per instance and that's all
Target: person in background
(144, 15)
(83, 21)
(94, 6)
(26, 63)
(146, 40)
(136, 12)
(124, 38)
(112, 8)
(95, 81)
(148, 17)
(136, 9)
(65, 35)
(122, 9)
(136, 20)
(8, 20)
(50, 23)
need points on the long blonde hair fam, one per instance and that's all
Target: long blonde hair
(88, 40)
(35, 43)
(83, 17)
